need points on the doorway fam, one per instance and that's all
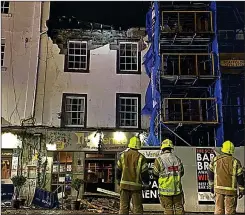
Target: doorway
(99, 172)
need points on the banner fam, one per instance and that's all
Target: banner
(7, 191)
(151, 196)
(204, 156)
(45, 199)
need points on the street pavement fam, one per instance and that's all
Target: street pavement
(68, 212)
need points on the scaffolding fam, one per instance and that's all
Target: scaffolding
(184, 96)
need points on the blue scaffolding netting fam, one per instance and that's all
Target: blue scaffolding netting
(152, 61)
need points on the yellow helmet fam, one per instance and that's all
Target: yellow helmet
(228, 147)
(134, 143)
(167, 144)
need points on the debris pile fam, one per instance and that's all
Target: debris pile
(100, 205)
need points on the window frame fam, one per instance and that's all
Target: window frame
(132, 96)
(138, 70)
(4, 45)
(77, 70)
(2, 8)
(63, 111)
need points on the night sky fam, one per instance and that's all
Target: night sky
(123, 14)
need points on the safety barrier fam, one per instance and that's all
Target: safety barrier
(188, 155)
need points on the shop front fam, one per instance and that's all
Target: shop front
(77, 155)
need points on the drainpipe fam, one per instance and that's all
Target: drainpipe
(45, 10)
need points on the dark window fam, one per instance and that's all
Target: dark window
(128, 110)
(129, 61)
(5, 7)
(77, 58)
(2, 52)
(74, 110)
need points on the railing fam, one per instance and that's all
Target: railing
(187, 21)
(187, 64)
(190, 110)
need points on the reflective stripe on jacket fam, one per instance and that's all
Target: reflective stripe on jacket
(132, 164)
(169, 169)
(226, 169)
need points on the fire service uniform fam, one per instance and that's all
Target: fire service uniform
(225, 175)
(168, 168)
(132, 174)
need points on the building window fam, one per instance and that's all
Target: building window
(129, 58)
(62, 172)
(128, 110)
(6, 163)
(5, 7)
(77, 59)
(74, 110)
(2, 51)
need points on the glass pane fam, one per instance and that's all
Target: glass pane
(128, 101)
(122, 66)
(81, 119)
(122, 101)
(74, 122)
(74, 108)
(122, 116)
(71, 51)
(77, 65)
(128, 67)
(74, 115)
(128, 60)
(134, 101)
(122, 108)
(77, 58)
(77, 51)
(83, 65)
(83, 52)
(71, 45)
(71, 58)
(77, 45)
(83, 46)
(128, 47)
(83, 59)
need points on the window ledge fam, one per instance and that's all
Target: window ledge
(3, 69)
(129, 72)
(6, 14)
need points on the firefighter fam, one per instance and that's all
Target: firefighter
(132, 174)
(225, 173)
(168, 168)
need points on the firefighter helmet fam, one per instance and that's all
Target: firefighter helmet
(167, 144)
(134, 143)
(228, 147)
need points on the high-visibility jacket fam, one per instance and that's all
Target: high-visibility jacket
(169, 170)
(224, 173)
(132, 164)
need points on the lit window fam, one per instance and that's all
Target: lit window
(5, 7)
(128, 57)
(128, 111)
(77, 55)
(2, 51)
(74, 111)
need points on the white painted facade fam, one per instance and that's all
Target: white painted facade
(20, 33)
(100, 85)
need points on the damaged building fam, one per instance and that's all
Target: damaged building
(87, 102)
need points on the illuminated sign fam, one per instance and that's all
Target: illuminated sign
(232, 63)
